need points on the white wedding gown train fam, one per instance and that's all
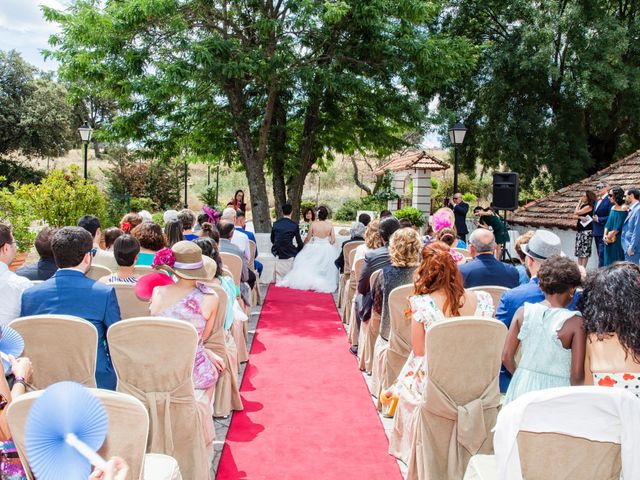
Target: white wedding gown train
(313, 268)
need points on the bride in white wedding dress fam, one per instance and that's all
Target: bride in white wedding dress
(314, 268)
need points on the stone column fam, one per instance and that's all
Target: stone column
(398, 187)
(422, 192)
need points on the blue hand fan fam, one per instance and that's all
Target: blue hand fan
(11, 343)
(65, 427)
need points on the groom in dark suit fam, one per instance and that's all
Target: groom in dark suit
(600, 216)
(283, 232)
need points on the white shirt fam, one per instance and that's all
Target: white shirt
(361, 251)
(241, 241)
(11, 286)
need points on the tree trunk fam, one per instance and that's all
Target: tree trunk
(278, 143)
(96, 147)
(356, 179)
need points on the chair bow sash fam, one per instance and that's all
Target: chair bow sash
(470, 431)
(159, 405)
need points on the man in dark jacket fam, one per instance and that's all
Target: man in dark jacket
(485, 269)
(460, 209)
(283, 232)
(46, 266)
(357, 234)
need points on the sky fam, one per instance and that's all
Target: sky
(23, 28)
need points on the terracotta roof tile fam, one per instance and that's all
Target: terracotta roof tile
(556, 210)
(413, 160)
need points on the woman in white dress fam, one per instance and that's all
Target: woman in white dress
(314, 268)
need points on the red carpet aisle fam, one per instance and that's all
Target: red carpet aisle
(308, 413)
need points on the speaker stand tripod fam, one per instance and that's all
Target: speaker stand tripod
(505, 252)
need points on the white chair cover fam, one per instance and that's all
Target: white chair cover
(595, 413)
(96, 272)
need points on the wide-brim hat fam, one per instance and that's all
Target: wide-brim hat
(542, 245)
(190, 264)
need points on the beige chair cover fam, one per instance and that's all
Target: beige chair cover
(379, 369)
(143, 270)
(61, 347)
(153, 358)
(368, 335)
(255, 293)
(237, 331)
(227, 393)
(458, 408)
(126, 437)
(557, 456)
(348, 260)
(233, 263)
(130, 305)
(96, 272)
(495, 291)
(350, 292)
(395, 356)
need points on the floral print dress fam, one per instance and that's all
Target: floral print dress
(628, 381)
(424, 310)
(188, 309)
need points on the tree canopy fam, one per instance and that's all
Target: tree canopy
(555, 90)
(276, 85)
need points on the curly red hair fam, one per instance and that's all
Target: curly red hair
(438, 271)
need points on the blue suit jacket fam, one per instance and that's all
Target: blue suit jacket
(510, 302)
(70, 292)
(630, 237)
(486, 270)
(602, 211)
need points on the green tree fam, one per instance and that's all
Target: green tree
(15, 87)
(555, 90)
(277, 86)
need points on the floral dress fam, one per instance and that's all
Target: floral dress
(424, 310)
(628, 381)
(188, 309)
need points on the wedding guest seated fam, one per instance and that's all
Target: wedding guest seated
(378, 258)
(192, 302)
(146, 215)
(11, 285)
(10, 466)
(372, 241)
(523, 274)
(188, 219)
(240, 239)
(450, 237)
(152, 240)
(356, 232)
(169, 216)
(543, 244)
(552, 337)
(70, 292)
(404, 256)
(92, 225)
(125, 251)
(110, 235)
(438, 294)
(227, 231)
(610, 305)
(210, 231)
(241, 226)
(385, 214)
(173, 232)
(202, 218)
(443, 218)
(129, 222)
(46, 266)
(485, 269)
(406, 223)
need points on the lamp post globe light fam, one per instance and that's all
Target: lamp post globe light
(456, 135)
(85, 134)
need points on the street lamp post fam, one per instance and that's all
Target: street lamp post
(85, 134)
(456, 135)
(186, 174)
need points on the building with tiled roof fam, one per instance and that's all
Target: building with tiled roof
(416, 165)
(556, 210)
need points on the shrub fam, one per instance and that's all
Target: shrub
(14, 171)
(63, 197)
(349, 209)
(469, 197)
(208, 196)
(142, 203)
(410, 213)
(15, 211)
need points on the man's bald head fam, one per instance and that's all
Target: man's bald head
(482, 241)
